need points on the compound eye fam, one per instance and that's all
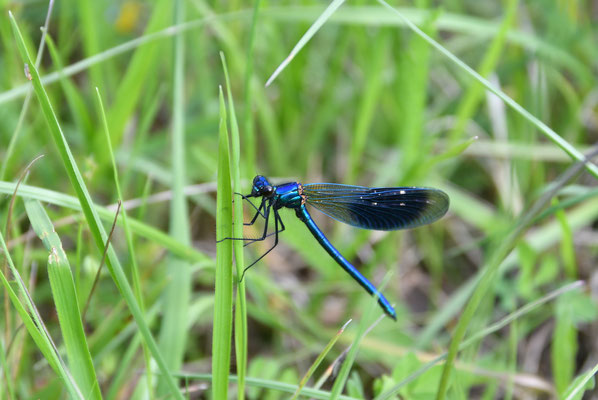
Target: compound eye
(267, 190)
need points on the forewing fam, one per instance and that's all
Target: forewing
(384, 209)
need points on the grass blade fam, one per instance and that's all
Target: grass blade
(368, 103)
(306, 37)
(576, 390)
(140, 66)
(489, 271)
(241, 306)
(138, 227)
(249, 144)
(89, 62)
(319, 360)
(223, 300)
(16, 134)
(128, 236)
(362, 331)
(65, 298)
(91, 215)
(394, 391)
(273, 385)
(475, 92)
(35, 326)
(177, 294)
(10, 391)
(545, 129)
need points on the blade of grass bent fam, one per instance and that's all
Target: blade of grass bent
(95, 225)
(128, 237)
(241, 306)
(65, 299)
(545, 129)
(223, 297)
(334, 5)
(177, 293)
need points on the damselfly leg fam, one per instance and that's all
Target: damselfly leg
(258, 209)
(279, 227)
(257, 214)
(277, 220)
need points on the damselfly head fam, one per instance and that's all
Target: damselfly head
(261, 187)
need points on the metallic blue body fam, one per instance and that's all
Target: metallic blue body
(287, 195)
(363, 207)
(343, 262)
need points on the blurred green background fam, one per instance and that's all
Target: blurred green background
(366, 101)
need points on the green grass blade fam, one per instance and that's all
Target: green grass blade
(65, 299)
(177, 293)
(128, 236)
(349, 15)
(581, 384)
(564, 346)
(10, 391)
(73, 95)
(91, 215)
(273, 385)
(362, 331)
(90, 33)
(315, 27)
(319, 360)
(240, 304)
(249, 145)
(542, 127)
(223, 300)
(489, 271)
(138, 227)
(475, 338)
(141, 65)
(413, 83)
(475, 92)
(369, 101)
(35, 326)
(16, 134)
(456, 23)
(87, 63)
(567, 243)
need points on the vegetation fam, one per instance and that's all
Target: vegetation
(149, 116)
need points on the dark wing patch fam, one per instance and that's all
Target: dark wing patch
(384, 209)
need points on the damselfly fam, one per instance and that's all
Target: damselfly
(385, 209)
